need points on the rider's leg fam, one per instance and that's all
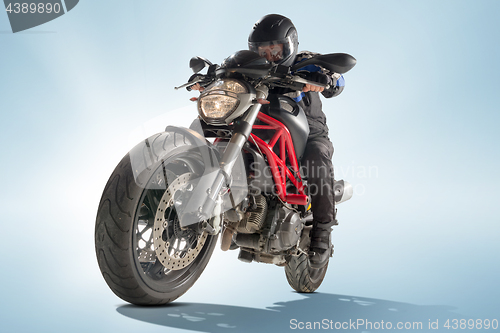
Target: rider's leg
(317, 161)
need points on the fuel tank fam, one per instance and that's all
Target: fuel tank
(288, 112)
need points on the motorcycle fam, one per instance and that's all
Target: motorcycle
(235, 172)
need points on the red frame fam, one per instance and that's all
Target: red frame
(277, 163)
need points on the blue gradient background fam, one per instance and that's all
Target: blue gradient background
(416, 132)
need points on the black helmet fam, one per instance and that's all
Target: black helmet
(274, 37)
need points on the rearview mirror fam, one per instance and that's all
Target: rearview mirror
(198, 63)
(336, 62)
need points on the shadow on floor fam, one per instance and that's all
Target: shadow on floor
(327, 310)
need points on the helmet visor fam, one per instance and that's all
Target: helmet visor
(274, 51)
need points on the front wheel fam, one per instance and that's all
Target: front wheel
(144, 255)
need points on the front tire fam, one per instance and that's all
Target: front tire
(124, 235)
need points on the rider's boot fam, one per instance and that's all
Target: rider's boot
(321, 244)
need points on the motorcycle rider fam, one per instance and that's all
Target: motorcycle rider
(275, 38)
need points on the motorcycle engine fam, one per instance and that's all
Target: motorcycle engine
(288, 228)
(267, 231)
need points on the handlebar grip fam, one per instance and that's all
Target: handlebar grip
(190, 83)
(297, 86)
(303, 81)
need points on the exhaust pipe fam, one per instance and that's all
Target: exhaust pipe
(343, 191)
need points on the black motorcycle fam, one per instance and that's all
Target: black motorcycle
(235, 172)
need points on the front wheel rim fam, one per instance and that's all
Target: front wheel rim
(149, 267)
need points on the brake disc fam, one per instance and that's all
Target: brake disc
(173, 246)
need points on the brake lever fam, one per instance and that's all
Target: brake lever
(294, 82)
(189, 83)
(299, 79)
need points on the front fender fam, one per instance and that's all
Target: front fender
(189, 146)
(166, 146)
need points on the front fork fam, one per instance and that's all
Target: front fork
(207, 197)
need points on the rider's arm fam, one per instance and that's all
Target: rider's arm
(336, 81)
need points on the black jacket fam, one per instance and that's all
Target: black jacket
(310, 101)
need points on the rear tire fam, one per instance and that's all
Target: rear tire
(299, 273)
(301, 276)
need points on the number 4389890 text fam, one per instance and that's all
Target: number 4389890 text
(40, 8)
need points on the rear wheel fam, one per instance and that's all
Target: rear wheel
(301, 276)
(299, 273)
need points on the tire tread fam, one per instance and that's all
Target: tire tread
(114, 230)
(298, 275)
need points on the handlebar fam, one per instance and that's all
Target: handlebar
(188, 84)
(299, 79)
(294, 82)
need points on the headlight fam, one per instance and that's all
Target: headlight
(220, 100)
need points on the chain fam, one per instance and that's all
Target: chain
(298, 247)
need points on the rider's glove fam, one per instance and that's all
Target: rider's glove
(336, 87)
(316, 77)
